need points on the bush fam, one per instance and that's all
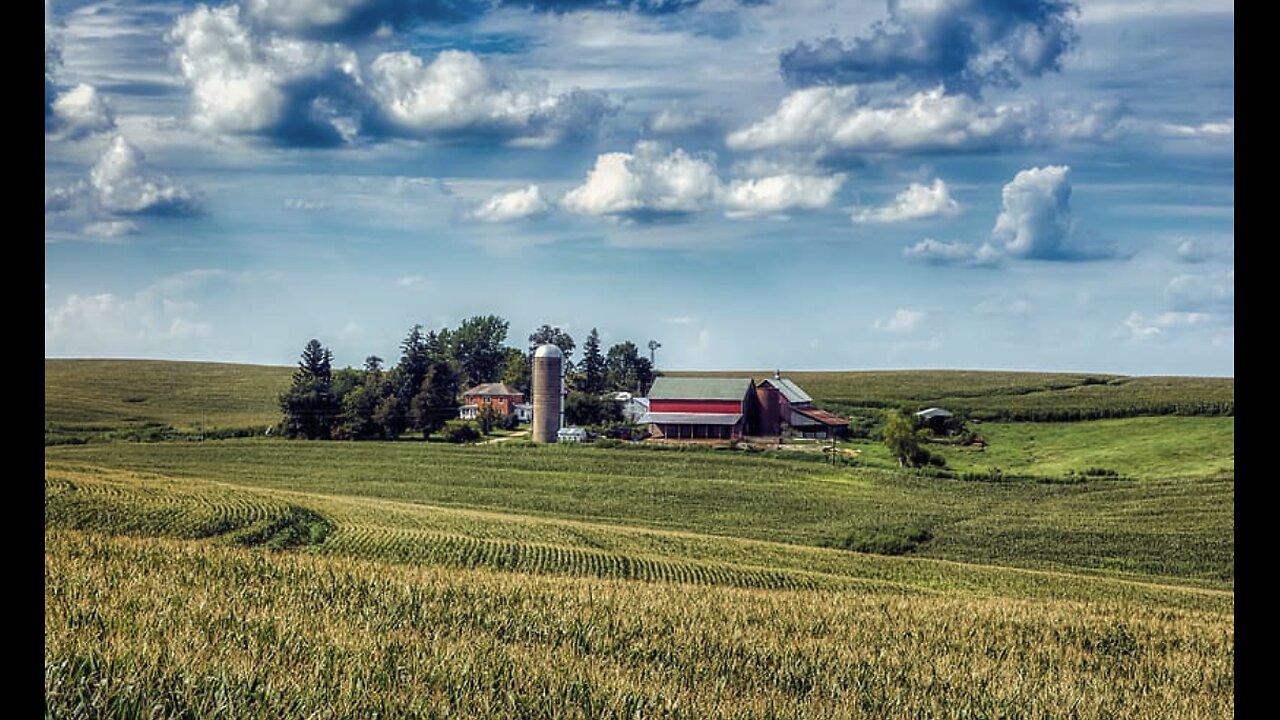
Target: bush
(456, 431)
(881, 541)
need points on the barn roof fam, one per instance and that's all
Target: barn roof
(678, 418)
(490, 389)
(789, 390)
(699, 388)
(822, 416)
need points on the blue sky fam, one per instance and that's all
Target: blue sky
(804, 184)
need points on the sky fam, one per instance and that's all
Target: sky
(794, 184)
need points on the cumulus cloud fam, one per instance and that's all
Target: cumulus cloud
(917, 202)
(1202, 293)
(843, 118)
(515, 205)
(936, 252)
(1143, 327)
(80, 112)
(305, 205)
(161, 316)
(647, 182)
(961, 44)
(1035, 223)
(1035, 219)
(122, 185)
(297, 92)
(456, 92)
(1195, 251)
(902, 321)
(307, 93)
(780, 193)
(1221, 128)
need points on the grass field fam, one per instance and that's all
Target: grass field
(257, 577)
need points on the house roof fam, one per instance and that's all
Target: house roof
(679, 418)
(490, 389)
(822, 416)
(699, 388)
(933, 413)
(789, 390)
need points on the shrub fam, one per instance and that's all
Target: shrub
(456, 431)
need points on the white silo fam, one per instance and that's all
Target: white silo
(548, 388)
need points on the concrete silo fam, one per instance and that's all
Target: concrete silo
(548, 389)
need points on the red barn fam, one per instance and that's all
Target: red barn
(796, 410)
(700, 407)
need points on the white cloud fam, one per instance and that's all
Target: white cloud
(243, 84)
(780, 193)
(515, 205)
(675, 119)
(1194, 251)
(842, 119)
(1213, 292)
(902, 321)
(646, 180)
(110, 228)
(1220, 128)
(936, 252)
(121, 185)
(457, 92)
(1141, 327)
(410, 280)
(81, 111)
(681, 320)
(158, 318)
(305, 205)
(1016, 307)
(1035, 220)
(917, 202)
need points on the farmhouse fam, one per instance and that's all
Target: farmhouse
(633, 408)
(495, 395)
(701, 407)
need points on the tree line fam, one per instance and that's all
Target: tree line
(422, 391)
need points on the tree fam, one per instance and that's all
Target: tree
(477, 346)
(626, 370)
(592, 378)
(373, 365)
(517, 372)
(581, 408)
(436, 400)
(309, 406)
(554, 336)
(901, 439)
(414, 356)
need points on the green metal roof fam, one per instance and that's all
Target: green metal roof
(699, 388)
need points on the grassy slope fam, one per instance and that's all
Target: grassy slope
(101, 395)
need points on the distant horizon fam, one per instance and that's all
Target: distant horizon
(746, 371)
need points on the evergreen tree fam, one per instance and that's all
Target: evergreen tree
(592, 372)
(437, 399)
(309, 406)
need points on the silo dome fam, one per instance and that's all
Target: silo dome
(548, 350)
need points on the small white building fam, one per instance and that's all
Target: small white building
(468, 412)
(633, 408)
(524, 412)
(571, 435)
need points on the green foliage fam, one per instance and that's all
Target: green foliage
(437, 399)
(309, 406)
(517, 371)
(547, 334)
(581, 408)
(626, 369)
(590, 376)
(886, 541)
(477, 348)
(900, 437)
(461, 431)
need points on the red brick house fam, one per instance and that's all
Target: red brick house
(495, 395)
